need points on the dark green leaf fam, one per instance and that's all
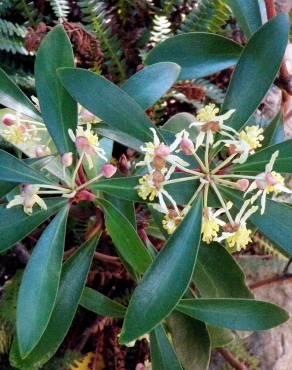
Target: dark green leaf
(107, 101)
(15, 170)
(125, 238)
(217, 275)
(260, 61)
(73, 278)
(172, 269)
(274, 133)
(181, 121)
(256, 163)
(12, 97)
(39, 285)
(101, 304)
(275, 223)
(199, 54)
(15, 225)
(191, 341)
(248, 15)
(59, 110)
(236, 314)
(126, 207)
(149, 85)
(163, 356)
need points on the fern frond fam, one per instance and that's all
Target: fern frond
(208, 16)
(61, 8)
(266, 246)
(12, 37)
(161, 29)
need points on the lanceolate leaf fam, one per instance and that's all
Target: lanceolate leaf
(260, 61)
(248, 15)
(236, 314)
(212, 280)
(256, 163)
(274, 132)
(173, 268)
(125, 238)
(101, 304)
(15, 170)
(191, 341)
(198, 54)
(59, 110)
(163, 356)
(73, 278)
(149, 85)
(39, 285)
(107, 101)
(15, 225)
(12, 97)
(275, 223)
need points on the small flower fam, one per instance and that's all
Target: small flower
(211, 223)
(157, 153)
(211, 123)
(268, 182)
(252, 135)
(147, 189)
(28, 198)
(237, 235)
(87, 142)
(108, 170)
(186, 145)
(67, 159)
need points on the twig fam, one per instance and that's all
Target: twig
(233, 361)
(106, 258)
(272, 281)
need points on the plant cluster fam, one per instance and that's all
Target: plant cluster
(206, 181)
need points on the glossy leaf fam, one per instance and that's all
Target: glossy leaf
(59, 110)
(15, 225)
(101, 304)
(173, 267)
(275, 223)
(191, 341)
(198, 54)
(73, 278)
(248, 15)
(215, 281)
(151, 83)
(39, 285)
(274, 132)
(12, 97)
(181, 121)
(236, 314)
(125, 238)
(163, 356)
(107, 101)
(16, 171)
(260, 61)
(256, 163)
(126, 207)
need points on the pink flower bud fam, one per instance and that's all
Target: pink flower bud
(67, 159)
(140, 367)
(187, 146)
(108, 170)
(87, 116)
(9, 119)
(270, 179)
(82, 144)
(162, 151)
(242, 184)
(39, 152)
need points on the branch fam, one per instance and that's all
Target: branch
(233, 361)
(278, 279)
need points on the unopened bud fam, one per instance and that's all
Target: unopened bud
(108, 170)
(87, 116)
(40, 151)
(270, 179)
(8, 119)
(242, 184)
(67, 159)
(187, 146)
(162, 151)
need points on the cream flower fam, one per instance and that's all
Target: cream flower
(157, 153)
(237, 235)
(28, 198)
(244, 143)
(268, 182)
(169, 224)
(210, 123)
(87, 143)
(212, 222)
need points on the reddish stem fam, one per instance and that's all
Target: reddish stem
(233, 361)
